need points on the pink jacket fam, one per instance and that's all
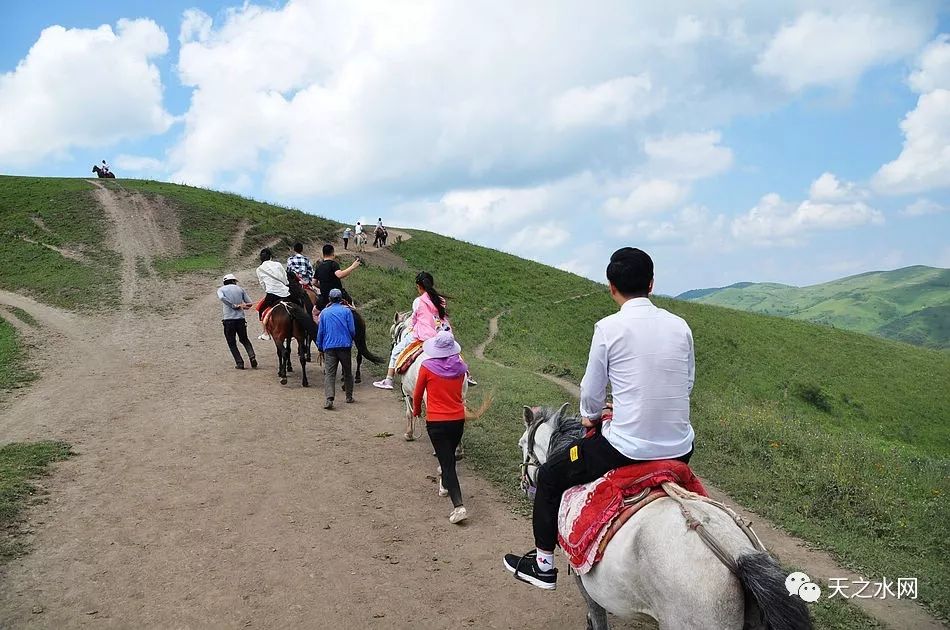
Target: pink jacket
(424, 317)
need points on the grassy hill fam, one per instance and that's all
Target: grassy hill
(909, 304)
(841, 438)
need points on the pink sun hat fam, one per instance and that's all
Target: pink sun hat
(441, 346)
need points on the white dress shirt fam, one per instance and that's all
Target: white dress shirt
(646, 354)
(269, 275)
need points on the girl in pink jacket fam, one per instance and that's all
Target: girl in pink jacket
(428, 315)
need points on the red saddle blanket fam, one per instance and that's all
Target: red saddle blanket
(588, 511)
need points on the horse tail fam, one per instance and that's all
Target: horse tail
(361, 339)
(768, 604)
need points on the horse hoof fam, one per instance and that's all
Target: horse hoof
(409, 437)
(306, 384)
(283, 381)
(357, 380)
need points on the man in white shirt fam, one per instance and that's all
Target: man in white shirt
(645, 353)
(273, 279)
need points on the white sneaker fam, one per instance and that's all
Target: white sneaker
(442, 491)
(264, 337)
(386, 383)
(458, 515)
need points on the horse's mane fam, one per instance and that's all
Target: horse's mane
(564, 430)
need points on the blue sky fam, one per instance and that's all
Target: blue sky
(790, 141)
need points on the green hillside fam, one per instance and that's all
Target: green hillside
(841, 438)
(909, 304)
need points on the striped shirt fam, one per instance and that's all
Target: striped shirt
(301, 265)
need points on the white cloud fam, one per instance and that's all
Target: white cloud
(653, 196)
(83, 88)
(924, 161)
(138, 164)
(833, 49)
(687, 155)
(923, 207)
(612, 102)
(530, 237)
(829, 188)
(776, 222)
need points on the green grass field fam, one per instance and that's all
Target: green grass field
(13, 370)
(61, 213)
(840, 438)
(910, 304)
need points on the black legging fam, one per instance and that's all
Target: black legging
(446, 436)
(593, 457)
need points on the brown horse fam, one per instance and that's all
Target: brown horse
(285, 322)
(101, 172)
(359, 340)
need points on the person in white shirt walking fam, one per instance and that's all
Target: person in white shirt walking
(273, 279)
(645, 353)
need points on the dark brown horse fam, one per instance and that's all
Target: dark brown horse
(101, 172)
(359, 340)
(288, 321)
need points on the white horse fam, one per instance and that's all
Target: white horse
(361, 242)
(718, 576)
(397, 332)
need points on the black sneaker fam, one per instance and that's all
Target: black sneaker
(525, 568)
(349, 399)
(239, 366)
(254, 363)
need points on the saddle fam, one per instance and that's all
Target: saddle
(407, 356)
(590, 514)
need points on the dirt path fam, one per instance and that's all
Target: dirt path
(237, 242)
(791, 551)
(202, 496)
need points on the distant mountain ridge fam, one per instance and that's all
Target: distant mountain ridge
(911, 304)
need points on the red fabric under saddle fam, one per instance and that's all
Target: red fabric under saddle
(408, 356)
(588, 511)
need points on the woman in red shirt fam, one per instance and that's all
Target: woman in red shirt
(441, 379)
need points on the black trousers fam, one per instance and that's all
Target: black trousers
(269, 300)
(346, 243)
(332, 357)
(594, 457)
(235, 329)
(446, 436)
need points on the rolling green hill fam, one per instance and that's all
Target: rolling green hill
(910, 304)
(840, 438)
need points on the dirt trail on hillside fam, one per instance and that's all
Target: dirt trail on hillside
(203, 496)
(791, 551)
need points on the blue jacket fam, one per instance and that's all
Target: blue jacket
(337, 328)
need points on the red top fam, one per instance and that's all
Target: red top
(443, 396)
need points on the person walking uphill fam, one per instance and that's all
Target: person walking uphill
(329, 274)
(235, 301)
(645, 353)
(335, 340)
(441, 380)
(428, 313)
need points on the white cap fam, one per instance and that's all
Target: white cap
(230, 276)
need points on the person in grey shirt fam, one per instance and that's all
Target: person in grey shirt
(234, 301)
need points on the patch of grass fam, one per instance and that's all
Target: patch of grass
(209, 221)
(24, 317)
(62, 213)
(13, 372)
(19, 464)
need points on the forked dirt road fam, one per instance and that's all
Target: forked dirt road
(202, 496)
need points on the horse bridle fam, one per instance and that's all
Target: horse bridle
(530, 460)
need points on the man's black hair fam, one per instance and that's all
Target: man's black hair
(298, 247)
(232, 281)
(266, 254)
(328, 249)
(631, 271)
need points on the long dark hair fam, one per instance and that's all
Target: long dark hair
(427, 282)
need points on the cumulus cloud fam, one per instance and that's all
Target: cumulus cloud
(652, 196)
(139, 164)
(923, 207)
(774, 221)
(612, 102)
(687, 155)
(924, 161)
(538, 236)
(824, 48)
(829, 188)
(83, 88)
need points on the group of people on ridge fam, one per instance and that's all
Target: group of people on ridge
(643, 353)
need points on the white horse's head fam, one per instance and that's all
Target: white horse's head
(399, 327)
(546, 430)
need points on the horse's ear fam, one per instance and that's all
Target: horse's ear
(396, 317)
(528, 416)
(562, 411)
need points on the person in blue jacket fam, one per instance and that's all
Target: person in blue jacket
(335, 334)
